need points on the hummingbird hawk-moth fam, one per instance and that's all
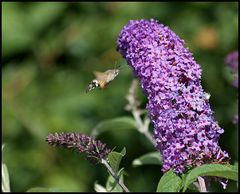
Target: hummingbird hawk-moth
(102, 79)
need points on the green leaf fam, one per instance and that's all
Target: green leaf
(99, 188)
(235, 166)
(5, 176)
(169, 182)
(3, 146)
(120, 172)
(193, 188)
(43, 189)
(149, 158)
(112, 185)
(225, 171)
(113, 124)
(5, 179)
(115, 158)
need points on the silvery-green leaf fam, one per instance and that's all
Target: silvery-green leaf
(225, 171)
(5, 179)
(5, 176)
(119, 123)
(148, 159)
(115, 158)
(99, 188)
(112, 184)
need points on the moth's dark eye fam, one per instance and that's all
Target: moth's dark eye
(95, 83)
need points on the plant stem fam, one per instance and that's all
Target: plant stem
(143, 127)
(149, 136)
(133, 106)
(202, 185)
(119, 182)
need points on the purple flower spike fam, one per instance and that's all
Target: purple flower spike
(94, 149)
(232, 62)
(184, 129)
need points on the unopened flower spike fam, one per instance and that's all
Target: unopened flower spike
(185, 131)
(94, 149)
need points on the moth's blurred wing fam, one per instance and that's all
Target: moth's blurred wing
(99, 75)
(110, 75)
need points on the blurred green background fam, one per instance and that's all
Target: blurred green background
(49, 51)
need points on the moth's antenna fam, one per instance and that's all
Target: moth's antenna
(117, 67)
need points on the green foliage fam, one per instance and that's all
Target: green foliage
(115, 158)
(119, 123)
(99, 188)
(42, 189)
(5, 177)
(225, 171)
(169, 182)
(112, 185)
(153, 158)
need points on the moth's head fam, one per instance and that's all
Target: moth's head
(94, 84)
(117, 69)
(116, 72)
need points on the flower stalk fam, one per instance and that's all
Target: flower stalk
(133, 107)
(202, 185)
(118, 180)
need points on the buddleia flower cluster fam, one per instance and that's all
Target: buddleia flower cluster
(232, 61)
(94, 149)
(185, 130)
